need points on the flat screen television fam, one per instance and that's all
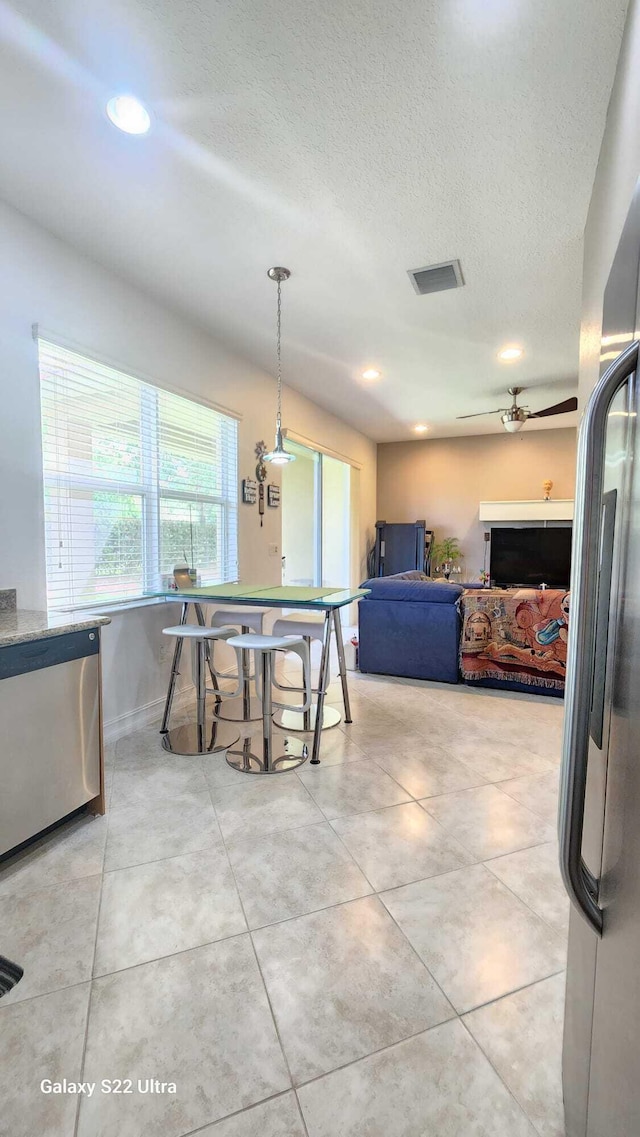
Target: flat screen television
(531, 557)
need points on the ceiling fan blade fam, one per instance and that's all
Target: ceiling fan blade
(500, 410)
(556, 409)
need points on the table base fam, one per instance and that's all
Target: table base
(295, 720)
(191, 739)
(232, 710)
(296, 754)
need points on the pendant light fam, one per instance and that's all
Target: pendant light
(279, 456)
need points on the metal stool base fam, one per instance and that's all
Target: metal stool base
(232, 710)
(295, 754)
(188, 739)
(294, 720)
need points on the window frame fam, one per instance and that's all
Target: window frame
(148, 489)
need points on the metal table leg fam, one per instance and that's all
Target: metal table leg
(337, 623)
(322, 683)
(306, 715)
(191, 737)
(208, 650)
(175, 666)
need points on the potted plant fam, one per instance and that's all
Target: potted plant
(445, 554)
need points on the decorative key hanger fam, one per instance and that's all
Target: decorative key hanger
(261, 475)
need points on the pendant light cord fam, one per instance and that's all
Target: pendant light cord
(279, 455)
(279, 411)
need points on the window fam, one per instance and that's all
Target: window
(135, 479)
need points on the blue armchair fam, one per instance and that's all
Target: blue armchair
(410, 627)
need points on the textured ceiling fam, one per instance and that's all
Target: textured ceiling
(349, 140)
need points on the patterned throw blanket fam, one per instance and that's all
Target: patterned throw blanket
(515, 637)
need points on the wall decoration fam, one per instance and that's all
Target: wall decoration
(249, 491)
(261, 470)
(261, 475)
(273, 496)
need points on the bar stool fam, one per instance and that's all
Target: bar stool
(190, 738)
(309, 625)
(295, 751)
(245, 707)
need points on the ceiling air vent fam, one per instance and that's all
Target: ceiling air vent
(436, 278)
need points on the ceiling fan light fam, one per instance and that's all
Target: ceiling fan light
(511, 423)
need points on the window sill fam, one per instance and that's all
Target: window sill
(120, 606)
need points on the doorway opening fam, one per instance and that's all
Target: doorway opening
(316, 519)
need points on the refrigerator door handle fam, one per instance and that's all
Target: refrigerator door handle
(579, 882)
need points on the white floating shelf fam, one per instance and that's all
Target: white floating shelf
(558, 509)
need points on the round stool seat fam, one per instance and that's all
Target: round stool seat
(252, 642)
(309, 624)
(199, 632)
(241, 617)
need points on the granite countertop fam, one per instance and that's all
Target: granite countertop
(22, 624)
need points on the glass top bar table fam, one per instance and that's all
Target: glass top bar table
(327, 600)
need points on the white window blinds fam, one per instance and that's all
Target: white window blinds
(135, 479)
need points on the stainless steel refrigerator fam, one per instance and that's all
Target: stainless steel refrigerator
(599, 814)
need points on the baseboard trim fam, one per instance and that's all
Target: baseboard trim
(150, 713)
(146, 715)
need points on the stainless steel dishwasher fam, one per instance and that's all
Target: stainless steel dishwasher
(49, 732)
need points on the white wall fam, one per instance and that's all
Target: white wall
(615, 181)
(46, 282)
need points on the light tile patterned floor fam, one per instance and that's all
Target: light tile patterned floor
(371, 948)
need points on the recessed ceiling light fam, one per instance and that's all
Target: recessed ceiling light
(420, 428)
(128, 114)
(509, 354)
(371, 373)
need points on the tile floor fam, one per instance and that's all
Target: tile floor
(371, 948)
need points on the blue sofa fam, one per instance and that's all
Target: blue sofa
(410, 626)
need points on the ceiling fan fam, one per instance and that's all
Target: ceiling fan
(514, 417)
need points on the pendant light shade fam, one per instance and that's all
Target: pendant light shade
(279, 456)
